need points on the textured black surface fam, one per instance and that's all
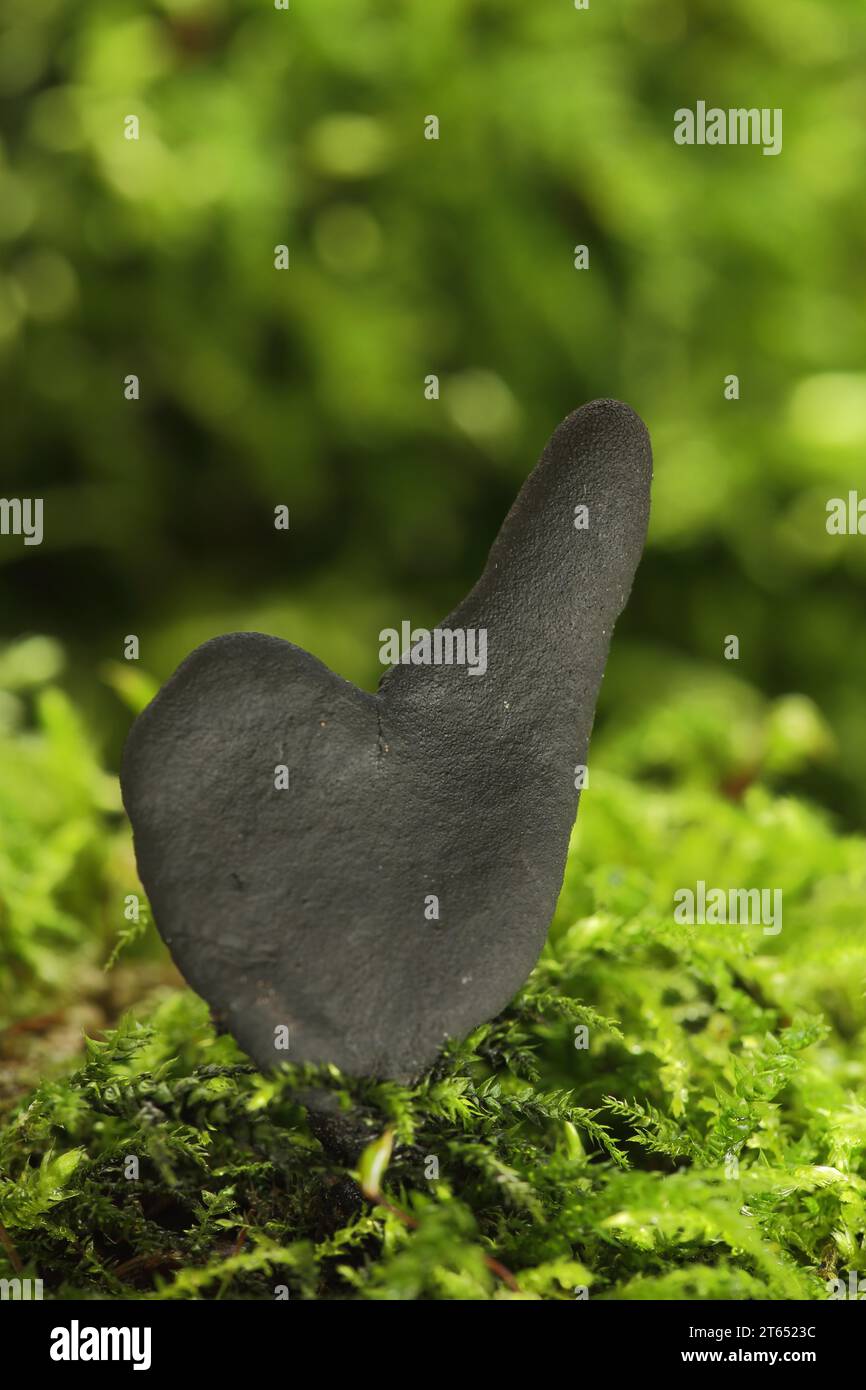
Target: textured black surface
(305, 907)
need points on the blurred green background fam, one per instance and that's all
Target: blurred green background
(409, 257)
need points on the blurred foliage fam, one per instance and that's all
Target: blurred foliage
(306, 387)
(56, 848)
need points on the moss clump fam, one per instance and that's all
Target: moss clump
(706, 1144)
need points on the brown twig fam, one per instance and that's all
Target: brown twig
(140, 1263)
(39, 1023)
(14, 1257)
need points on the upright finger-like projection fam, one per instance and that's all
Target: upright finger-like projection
(354, 878)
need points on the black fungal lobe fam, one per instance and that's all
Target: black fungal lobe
(303, 907)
